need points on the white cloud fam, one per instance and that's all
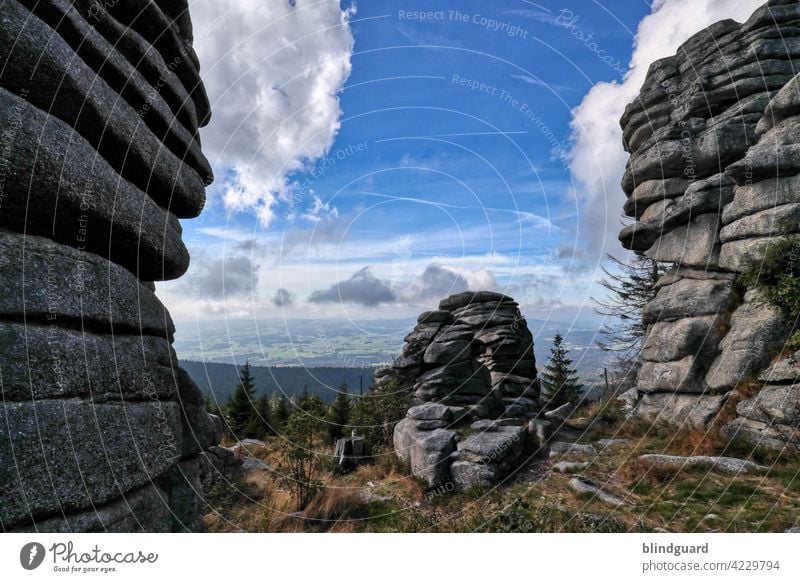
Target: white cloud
(434, 283)
(320, 211)
(273, 88)
(597, 160)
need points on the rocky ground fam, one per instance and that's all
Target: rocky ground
(599, 473)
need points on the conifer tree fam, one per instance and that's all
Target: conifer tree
(240, 406)
(259, 425)
(559, 379)
(211, 406)
(629, 287)
(280, 412)
(339, 414)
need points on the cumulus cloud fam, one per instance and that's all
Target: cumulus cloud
(597, 160)
(274, 92)
(435, 282)
(480, 280)
(363, 288)
(215, 278)
(283, 298)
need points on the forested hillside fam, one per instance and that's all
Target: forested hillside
(219, 380)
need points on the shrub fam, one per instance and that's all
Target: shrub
(777, 277)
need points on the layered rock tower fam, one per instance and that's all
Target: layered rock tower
(713, 179)
(100, 105)
(471, 370)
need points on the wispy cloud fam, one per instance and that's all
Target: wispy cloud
(530, 80)
(539, 14)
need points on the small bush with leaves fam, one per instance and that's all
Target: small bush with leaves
(777, 278)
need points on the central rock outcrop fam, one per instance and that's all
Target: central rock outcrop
(470, 369)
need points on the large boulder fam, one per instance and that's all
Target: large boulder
(426, 452)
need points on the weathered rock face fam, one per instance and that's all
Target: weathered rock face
(471, 369)
(712, 178)
(99, 112)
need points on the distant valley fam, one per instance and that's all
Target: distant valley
(322, 354)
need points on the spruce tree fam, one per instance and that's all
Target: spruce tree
(259, 425)
(629, 287)
(240, 405)
(211, 406)
(339, 414)
(280, 412)
(313, 405)
(559, 379)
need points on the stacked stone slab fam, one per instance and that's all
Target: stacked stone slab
(468, 364)
(771, 417)
(100, 105)
(712, 178)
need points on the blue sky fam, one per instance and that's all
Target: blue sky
(421, 148)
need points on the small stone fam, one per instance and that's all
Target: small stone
(570, 466)
(606, 443)
(253, 464)
(721, 464)
(541, 430)
(561, 413)
(561, 448)
(585, 486)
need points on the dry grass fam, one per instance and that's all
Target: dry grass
(336, 508)
(257, 502)
(382, 497)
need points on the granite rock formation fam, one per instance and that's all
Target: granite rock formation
(712, 179)
(100, 106)
(471, 370)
